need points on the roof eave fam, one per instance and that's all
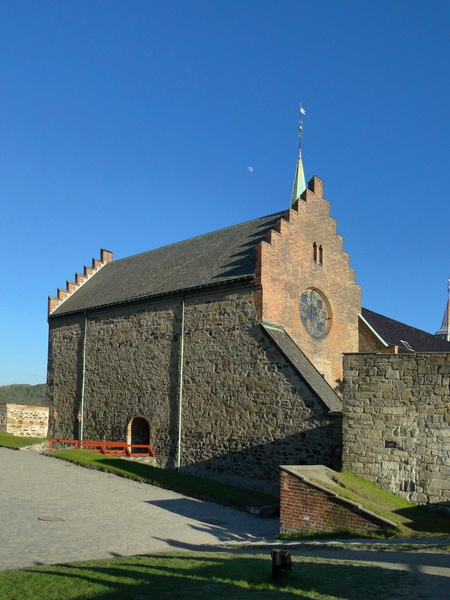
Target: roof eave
(136, 299)
(373, 331)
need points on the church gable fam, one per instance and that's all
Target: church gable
(307, 286)
(55, 302)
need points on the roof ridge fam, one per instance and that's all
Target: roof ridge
(202, 235)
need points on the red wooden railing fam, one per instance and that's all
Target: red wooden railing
(110, 448)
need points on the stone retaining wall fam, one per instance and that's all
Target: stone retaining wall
(26, 421)
(396, 423)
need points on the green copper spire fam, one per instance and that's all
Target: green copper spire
(299, 180)
(444, 331)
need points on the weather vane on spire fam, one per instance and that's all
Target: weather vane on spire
(299, 179)
(300, 129)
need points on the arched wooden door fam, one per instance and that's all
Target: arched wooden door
(139, 433)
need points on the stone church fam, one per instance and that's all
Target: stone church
(224, 351)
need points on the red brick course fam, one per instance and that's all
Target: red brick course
(305, 507)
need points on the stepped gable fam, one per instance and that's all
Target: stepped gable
(223, 256)
(312, 193)
(54, 302)
(406, 338)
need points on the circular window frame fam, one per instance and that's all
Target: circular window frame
(310, 307)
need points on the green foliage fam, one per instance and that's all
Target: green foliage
(21, 393)
(205, 575)
(191, 485)
(13, 441)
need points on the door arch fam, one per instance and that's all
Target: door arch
(138, 432)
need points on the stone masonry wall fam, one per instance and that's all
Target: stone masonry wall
(396, 423)
(64, 377)
(26, 421)
(244, 407)
(305, 507)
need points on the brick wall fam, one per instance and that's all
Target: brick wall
(26, 421)
(396, 423)
(286, 268)
(307, 507)
(244, 407)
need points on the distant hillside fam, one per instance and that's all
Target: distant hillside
(22, 393)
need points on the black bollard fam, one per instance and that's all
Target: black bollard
(281, 562)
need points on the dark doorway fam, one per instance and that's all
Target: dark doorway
(140, 434)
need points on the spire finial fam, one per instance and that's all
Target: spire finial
(444, 331)
(299, 180)
(300, 129)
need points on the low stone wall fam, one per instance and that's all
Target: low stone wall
(26, 421)
(308, 507)
(396, 423)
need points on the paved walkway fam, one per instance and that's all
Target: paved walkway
(53, 511)
(56, 512)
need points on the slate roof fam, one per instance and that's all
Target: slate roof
(215, 258)
(303, 366)
(408, 339)
(221, 256)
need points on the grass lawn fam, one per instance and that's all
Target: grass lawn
(205, 576)
(12, 441)
(191, 485)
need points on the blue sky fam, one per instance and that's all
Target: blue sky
(128, 125)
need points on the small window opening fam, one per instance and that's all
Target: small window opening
(320, 254)
(315, 252)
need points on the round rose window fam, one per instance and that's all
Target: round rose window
(314, 313)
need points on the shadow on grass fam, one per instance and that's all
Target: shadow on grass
(422, 519)
(210, 575)
(184, 483)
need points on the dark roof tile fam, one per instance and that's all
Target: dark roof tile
(218, 257)
(407, 338)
